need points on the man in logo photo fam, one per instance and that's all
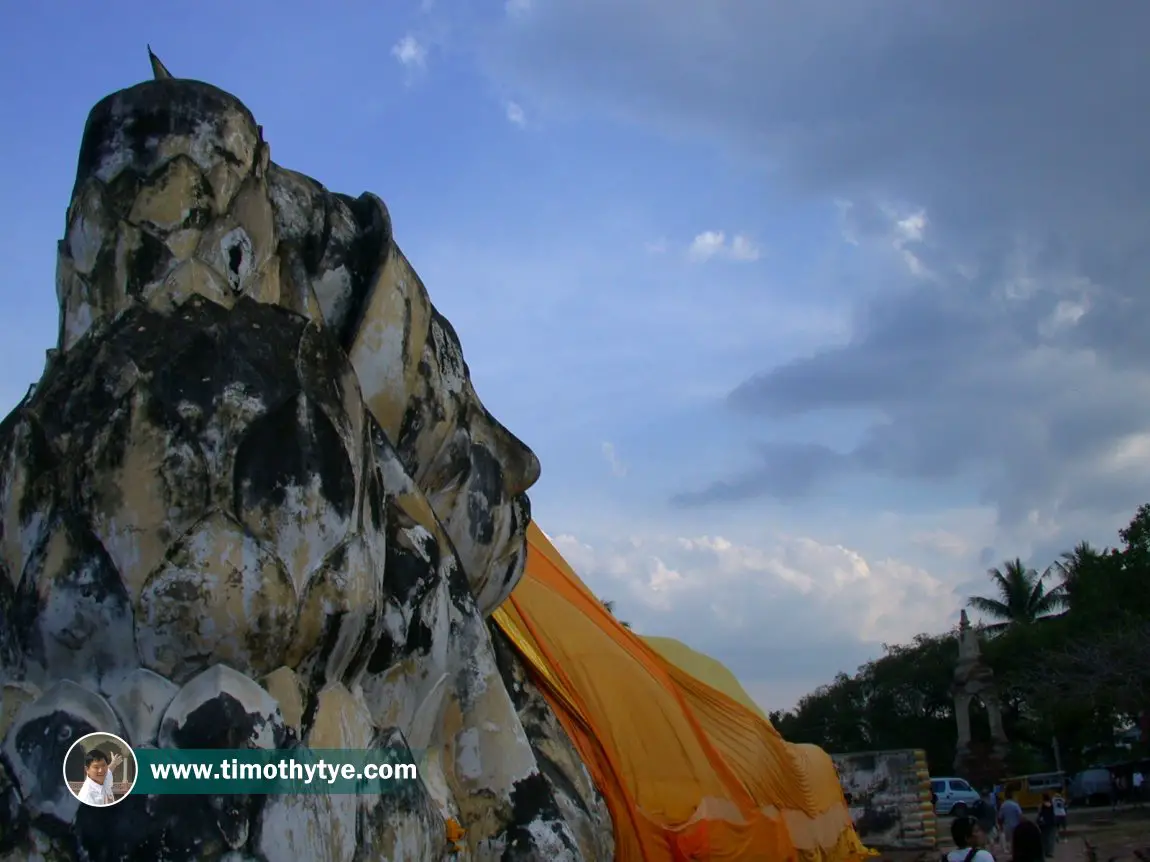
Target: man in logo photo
(98, 768)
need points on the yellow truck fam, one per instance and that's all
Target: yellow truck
(1028, 789)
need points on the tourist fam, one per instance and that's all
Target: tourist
(970, 841)
(988, 815)
(1026, 843)
(1047, 825)
(1059, 815)
(1009, 816)
(97, 788)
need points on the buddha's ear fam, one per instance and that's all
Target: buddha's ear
(159, 70)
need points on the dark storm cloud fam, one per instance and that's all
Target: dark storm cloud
(1019, 128)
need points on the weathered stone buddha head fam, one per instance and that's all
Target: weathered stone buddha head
(176, 196)
(255, 501)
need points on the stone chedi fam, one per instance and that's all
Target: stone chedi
(973, 679)
(254, 501)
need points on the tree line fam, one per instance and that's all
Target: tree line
(1070, 649)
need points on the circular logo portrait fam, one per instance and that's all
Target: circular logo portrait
(100, 769)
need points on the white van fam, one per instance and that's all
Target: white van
(953, 796)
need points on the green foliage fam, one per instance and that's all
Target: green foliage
(901, 700)
(1022, 596)
(609, 606)
(1071, 655)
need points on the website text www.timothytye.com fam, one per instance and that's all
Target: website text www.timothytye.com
(284, 770)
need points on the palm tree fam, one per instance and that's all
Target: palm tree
(1075, 564)
(609, 604)
(1022, 596)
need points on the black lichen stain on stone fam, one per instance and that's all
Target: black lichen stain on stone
(126, 831)
(11, 654)
(375, 501)
(105, 445)
(75, 398)
(485, 493)
(138, 828)
(313, 671)
(510, 669)
(410, 575)
(221, 722)
(539, 722)
(336, 624)
(90, 580)
(146, 263)
(533, 802)
(410, 570)
(448, 349)
(288, 448)
(235, 816)
(366, 647)
(364, 257)
(13, 814)
(324, 372)
(513, 570)
(382, 654)
(22, 441)
(43, 743)
(141, 117)
(392, 802)
(250, 349)
(420, 636)
(121, 191)
(558, 778)
(312, 245)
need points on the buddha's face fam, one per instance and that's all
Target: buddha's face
(474, 471)
(412, 374)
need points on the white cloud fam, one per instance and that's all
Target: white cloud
(618, 468)
(743, 249)
(1065, 315)
(944, 542)
(713, 244)
(656, 246)
(518, 7)
(515, 114)
(785, 614)
(410, 52)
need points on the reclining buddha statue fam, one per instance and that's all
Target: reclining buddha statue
(255, 502)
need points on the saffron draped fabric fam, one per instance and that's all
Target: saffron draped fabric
(689, 767)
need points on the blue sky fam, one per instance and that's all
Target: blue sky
(810, 310)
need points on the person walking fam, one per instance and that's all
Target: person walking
(1060, 817)
(1026, 843)
(1047, 825)
(988, 815)
(1009, 816)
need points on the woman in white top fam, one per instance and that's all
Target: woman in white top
(1060, 816)
(970, 841)
(98, 768)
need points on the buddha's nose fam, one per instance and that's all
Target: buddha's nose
(521, 467)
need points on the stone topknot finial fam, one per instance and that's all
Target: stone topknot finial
(963, 621)
(159, 70)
